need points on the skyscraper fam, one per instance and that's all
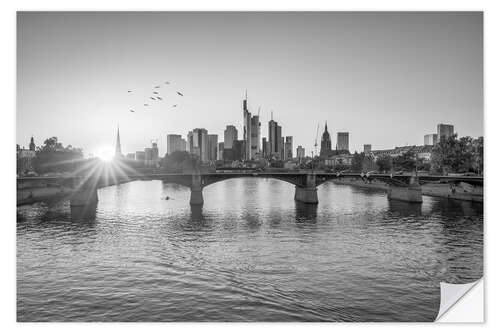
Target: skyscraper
(213, 141)
(175, 142)
(118, 147)
(275, 140)
(343, 141)
(154, 151)
(247, 129)
(282, 145)
(265, 148)
(430, 139)
(238, 151)
(326, 142)
(220, 151)
(151, 154)
(254, 137)
(288, 148)
(198, 143)
(444, 131)
(301, 153)
(230, 135)
(251, 132)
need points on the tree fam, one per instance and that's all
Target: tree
(405, 162)
(384, 163)
(357, 162)
(178, 161)
(478, 161)
(53, 157)
(51, 144)
(454, 155)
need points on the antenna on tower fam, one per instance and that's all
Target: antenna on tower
(258, 112)
(271, 114)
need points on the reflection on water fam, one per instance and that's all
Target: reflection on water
(250, 253)
(85, 213)
(404, 208)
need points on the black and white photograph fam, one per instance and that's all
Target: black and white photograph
(247, 166)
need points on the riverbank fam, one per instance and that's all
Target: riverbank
(461, 191)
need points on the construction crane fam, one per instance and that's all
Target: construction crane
(316, 142)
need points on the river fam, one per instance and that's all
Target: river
(250, 254)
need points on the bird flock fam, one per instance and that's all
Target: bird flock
(156, 97)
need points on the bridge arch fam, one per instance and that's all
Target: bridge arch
(206, 181)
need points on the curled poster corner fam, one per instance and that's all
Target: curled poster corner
(454, 299)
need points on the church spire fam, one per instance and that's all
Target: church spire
(118, 149)
(32, 144)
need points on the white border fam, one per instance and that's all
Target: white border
(7, 199)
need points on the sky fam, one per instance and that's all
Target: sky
(386, 78)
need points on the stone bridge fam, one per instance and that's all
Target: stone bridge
(82, 190)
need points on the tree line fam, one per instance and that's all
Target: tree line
(450, 155)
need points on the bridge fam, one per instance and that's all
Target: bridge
(82, 190)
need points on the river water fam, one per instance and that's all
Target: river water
(250, 254)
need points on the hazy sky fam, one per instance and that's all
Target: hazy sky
(386, 78)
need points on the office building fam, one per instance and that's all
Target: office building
(230, 135)
(367, 149)
(301, 153)
(213, 147)
(220, 151)
(247, 128)
(288, 148)
(265, 148)
(444, 131)
(140, 156)
(282, 146)
(276, 141)
(430, 139)
(148, 156)
(343, 141)
(154, 151)
(175, 142)
(251, 132)
(198, 143)
(255, 137)
(238, 150)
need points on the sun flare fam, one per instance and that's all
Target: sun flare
(105, 153)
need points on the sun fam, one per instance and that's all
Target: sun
(105, 153)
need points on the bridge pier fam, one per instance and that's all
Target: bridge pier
(308, 193)
(196, 190)
(410, 193)
(84, 197)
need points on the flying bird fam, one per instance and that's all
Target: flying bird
(129, 91)
(152, 98)
(155, 92)
(146, 104)
(159, 98)
(157, 87)
(132, 110)
(174, 106)
(167, 82)
(180, 94)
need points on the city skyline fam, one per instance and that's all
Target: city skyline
(308, 74)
